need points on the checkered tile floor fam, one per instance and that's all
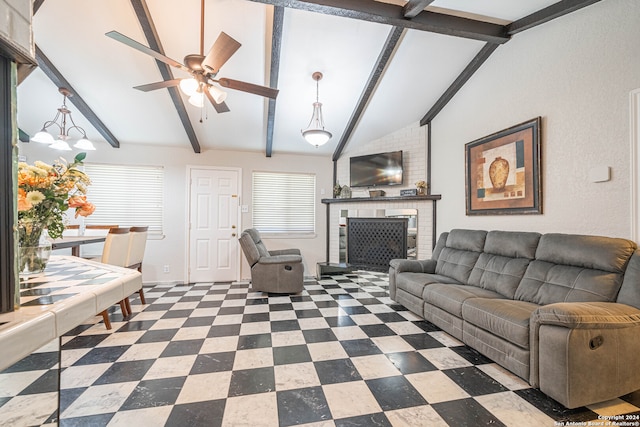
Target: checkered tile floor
(341, 353)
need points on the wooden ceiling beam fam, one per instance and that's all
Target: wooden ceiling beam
(58, 79)
(149, 30)
(390, 45)
(276, 45)
(394, 15)
(460, 81)
(554, 11)
(414, 7)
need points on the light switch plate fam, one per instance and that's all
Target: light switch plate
(244, 208)
(600, 174)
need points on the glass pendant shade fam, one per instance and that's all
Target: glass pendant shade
(218, 94)
(315, 133)
(197, 99)
(84, 144)
(43, 137)
(61, 145)
(189, 86)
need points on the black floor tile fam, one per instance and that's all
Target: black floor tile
(362, 347)
(158, 307)
(395, 393)
(280, 307)
(198, 321)
(356, 309)
(466, 413)
(198, 414)
(182, 348)
(377, 419)
(326, 304)
(284, 325)
(554, 409)
(302, 406)
(88, 421)
(422, 341)
(68, 396)
(84, 341)
(378, 330)
(255, 317)
(177, 314)
(318, 335)
(102, 355)
(213, 362)
(159, 335)
(224, 331)
(390, 317)
(135, 325)
(34, 362)
(471, 355)
(410, 362)
(306, 314)
(251, 381)
(336, 371)
(47, 382)
(246, 342)
(125, 371)
(474, 381)
(291, 354)
(335, 322)
(151, 393)
(225, 311)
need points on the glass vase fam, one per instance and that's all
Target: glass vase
(32, 260)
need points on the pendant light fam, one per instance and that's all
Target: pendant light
(61, 143)
(315, 134)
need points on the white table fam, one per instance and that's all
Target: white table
(70, 291)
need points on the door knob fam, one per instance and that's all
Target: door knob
(233, 226)
(233, 234)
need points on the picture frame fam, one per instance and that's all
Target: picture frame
(502, 172)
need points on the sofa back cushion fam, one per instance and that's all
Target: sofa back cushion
(574, 268)
(630, 290)
(505, 259)
(442, 242)
(461, 251)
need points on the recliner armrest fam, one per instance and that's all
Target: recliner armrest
(280, 259)
(284, 252)
(587, 315)
(413, 266)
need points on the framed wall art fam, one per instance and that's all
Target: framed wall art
(503, 172)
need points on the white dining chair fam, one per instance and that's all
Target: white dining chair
(135, 255)
(115, 250)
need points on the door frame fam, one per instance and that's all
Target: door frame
(187, 240)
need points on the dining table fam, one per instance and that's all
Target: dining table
(74, 242)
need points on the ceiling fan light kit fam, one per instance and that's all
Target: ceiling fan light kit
(203, 70)
(315, 134)
(44, 137)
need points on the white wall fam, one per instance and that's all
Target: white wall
(171, 250)
(576, 72)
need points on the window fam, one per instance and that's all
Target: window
(284, 202)
(126, 195)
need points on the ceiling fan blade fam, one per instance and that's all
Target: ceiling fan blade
(158, 85)
(249, 87)
(220, 108)
(220, 52)
(144, 49)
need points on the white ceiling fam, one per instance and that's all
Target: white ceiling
(103, 71)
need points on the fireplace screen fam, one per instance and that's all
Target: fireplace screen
(373, 242)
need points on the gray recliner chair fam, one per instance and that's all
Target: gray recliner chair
(278, 271)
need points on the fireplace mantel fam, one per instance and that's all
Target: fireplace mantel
(383, 199)
(402, 202)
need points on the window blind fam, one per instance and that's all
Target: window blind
(284, 202)
(126, 195)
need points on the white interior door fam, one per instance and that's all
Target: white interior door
(213, 225)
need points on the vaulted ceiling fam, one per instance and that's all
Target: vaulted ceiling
(385, 65)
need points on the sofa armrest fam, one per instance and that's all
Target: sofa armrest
(575, 345)
(413, 266)
(280, 259)
(284, 252)
(587, 315)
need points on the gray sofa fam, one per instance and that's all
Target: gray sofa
(561, 311)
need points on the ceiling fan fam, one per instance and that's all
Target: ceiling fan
(203, 70)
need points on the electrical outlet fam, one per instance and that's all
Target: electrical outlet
(166, 268)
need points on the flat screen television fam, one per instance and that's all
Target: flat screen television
(376, 169)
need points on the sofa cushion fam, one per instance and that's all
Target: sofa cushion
(457, 258)
(507, 319)
(504, 260)
(571, 268)
(414, 283)
(630, 290)
(451, 297)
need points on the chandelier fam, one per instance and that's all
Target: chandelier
(315, 134)
(61, 143)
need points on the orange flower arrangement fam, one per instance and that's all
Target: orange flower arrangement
(45, 192)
